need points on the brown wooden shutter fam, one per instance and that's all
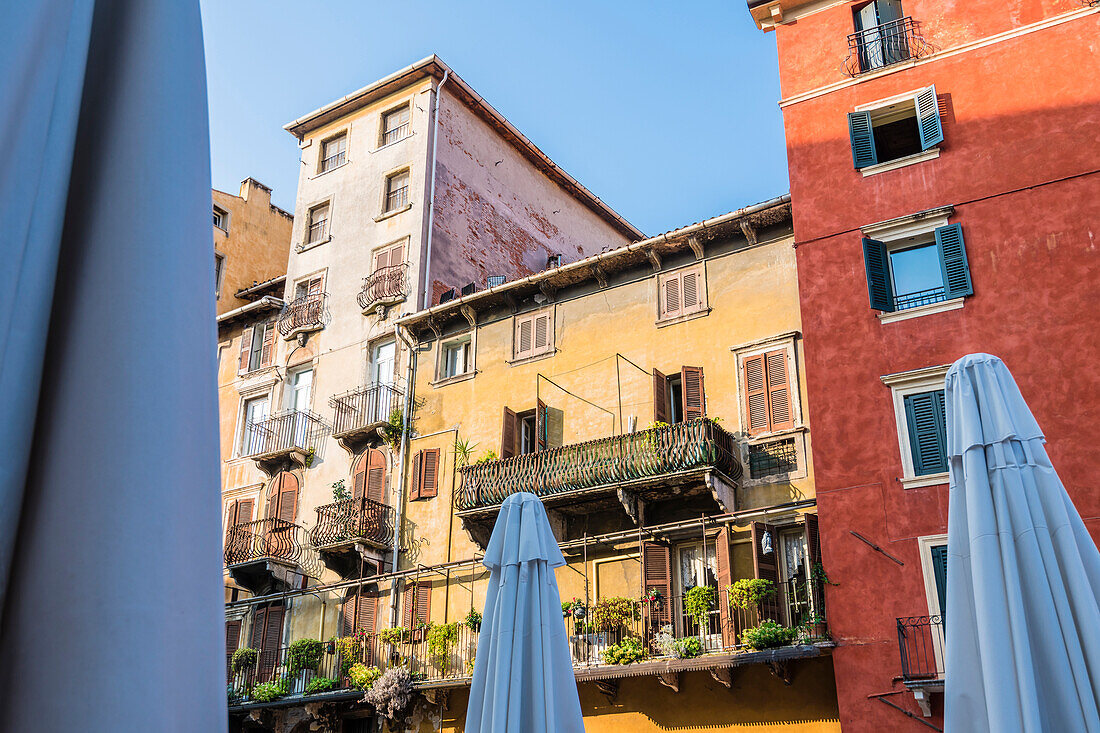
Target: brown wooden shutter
(267, 634)
(509, 435)
(690, 291)
(542, 340)
(273, 487)
(657, 573)
(695, 399)
(256, 635)
(376, 474)
(246, 349)
(231, 518)
(424, 602)
(347, 612)
(267, 351)
(232, 636)
(540, 425)
(243, 511)
(288, 496)
(813, 539)
(670, 305)
(408, 605)
(397, 255)
(779, 390)
(429, 482)
(414, 493)
(367, 610)
(724, 576)
(381, 259)
(756, 394)
(660, 397)
(766, 567)
(359, 477)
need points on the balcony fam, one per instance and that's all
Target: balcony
(627, 471)
(884, 45)
(353, 531)
(362, 414)
(262, 555)
(921, 645)
(283, 440)
(386, 286)
(303, 314)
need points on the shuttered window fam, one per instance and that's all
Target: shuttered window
(681, 293)
(533, 335)
(359, 611)
(232, 636)
(417, 604)
(266, 638)
(939, 573)
(389, 256)
(657, 575)
(425, 474)
(257, 348)
(282, 497)
(902, 128)
(691, 382)
(723, 575)
(898, 277)
(766, 380)
(660, 397)
(926, 421)
(369, 475)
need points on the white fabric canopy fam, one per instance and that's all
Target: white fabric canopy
(523, 676)
(1023, 574)
(110, 563)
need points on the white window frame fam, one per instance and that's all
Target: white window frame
(785, 341)
(878, 106)
(407, 104)
(902, 385)
(470, 338)
(224, 226)
(219, 274)
(684, 314)
(925, 545)
(308, 222)
(533, 353)
(246, 397)
(346, 134)
(386, 179)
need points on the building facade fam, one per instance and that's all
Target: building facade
(944, 178)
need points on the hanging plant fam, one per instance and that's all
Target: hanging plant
(473, 620)
(244, 658)
(350, 649)
(391, 693)
(395, 635)
(394, 428)
(310, 453)
(697, 603)
(303, 655)
(441, 639)
(750, 592)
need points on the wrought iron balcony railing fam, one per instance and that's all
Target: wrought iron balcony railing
(285, 431)
(364, 407)
(304, 313)
(920, 643)
(883, 45)
(648, 453)
(384, 286)
(353, 519)
(262, 539)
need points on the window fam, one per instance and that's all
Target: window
(221, 219)
(934, 561)
(919, 412)
(425, 474)
(219, 270)
(309, 286)
(317, 224)
(681, 293)
(334, 152)
(882, 34)
(359, 611)
(899, 129)
(772, 458)
(395, 125)
(266, 637)
(533, 335)
(919, 270)
(389, 256)
(529, 431)
(767, 391)
(253, 413)
(455, 358)
(417, 604)
(397, 192)
(257, 348)
(680, 397)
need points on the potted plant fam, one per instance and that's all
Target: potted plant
(303, 659)
(767, 635)
(815, 626)
(473, 620)
(697, 604)
(750, 592)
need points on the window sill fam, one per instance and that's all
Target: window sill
(680, 319)
(395, 212)
(529, 359)
(930, 154)
(390, 145)
(777, 435)
(452, 380)
(920, 482)
(258, 371)
(330, 170)
(306, 246)
(922, 310)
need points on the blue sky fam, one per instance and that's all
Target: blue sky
(666, 111)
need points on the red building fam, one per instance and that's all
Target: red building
(944, 165)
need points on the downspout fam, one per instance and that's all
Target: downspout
(431, 194)
(399, 493)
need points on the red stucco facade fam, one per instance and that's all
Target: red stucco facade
(1019, 95)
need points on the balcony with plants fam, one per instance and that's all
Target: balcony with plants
(369, 414)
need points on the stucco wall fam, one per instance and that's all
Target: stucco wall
(255, 246)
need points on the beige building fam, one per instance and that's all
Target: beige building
(251, 242)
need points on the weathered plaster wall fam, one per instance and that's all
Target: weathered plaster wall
(256, 245)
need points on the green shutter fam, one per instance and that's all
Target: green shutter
(939, 570)
(863, 139)
(925, 416)
(928, 118)
(878, 275)
(956, 271)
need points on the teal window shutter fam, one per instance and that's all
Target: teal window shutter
(926, 419)
(939, 571)
(863, 139)
(956, 271)
(928, 118)
(878, 275)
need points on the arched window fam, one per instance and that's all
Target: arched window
(282, 497)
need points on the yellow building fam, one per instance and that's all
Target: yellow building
(652, 396)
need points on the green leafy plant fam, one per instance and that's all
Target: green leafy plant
(269, 691)
(464, 451)
(688, 648)
(486, 457)
(750, 592)
(304, 654)
(817, 572)
(233, 695)
(339, 491)
(767, 635)
(244, 658)
(311, 453)
(473, 620)
(627, 651)
(394, 427)
(651, 434)
(441, 639)
(697, 603)
(350, 649)
(363, 676)
(396, 635)
(320, 684)
(470, 666)
(611, 613)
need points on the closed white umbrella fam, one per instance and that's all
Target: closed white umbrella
(109, 499)
(1023, 574)
(523, 676)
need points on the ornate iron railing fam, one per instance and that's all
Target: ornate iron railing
(283, 431)
(882, 45)
(262, 539)
(303, 313)
(353, 519)
(648, 453)
(385, 285)
(365, 406)
(920, 643)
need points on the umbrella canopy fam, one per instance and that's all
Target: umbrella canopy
(523, 678)
(1023, 574)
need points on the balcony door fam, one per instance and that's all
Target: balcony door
(383, 360)
(282, 509)
(301, 392)
(252, 435)
(882, 41)
(696, 565)
(794, 573)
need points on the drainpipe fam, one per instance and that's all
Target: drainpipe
(431, 194)
(399, 492)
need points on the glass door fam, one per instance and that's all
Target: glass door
(794, 570)
(383, 358)
(301, 389)
(697, 566)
